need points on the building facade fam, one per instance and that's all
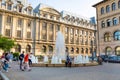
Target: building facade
(34, 30)
(108, 22)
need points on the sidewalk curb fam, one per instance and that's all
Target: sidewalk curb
(3, 76)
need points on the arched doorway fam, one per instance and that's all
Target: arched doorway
(50, 49)
(86, 51)
(43, 48)
(82, 50)
(28, 48)
(117, 51)
(108, 51)
(18, 48)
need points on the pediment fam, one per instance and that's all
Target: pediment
(51, 10)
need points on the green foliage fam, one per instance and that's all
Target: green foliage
(16, 55)
(6, 44)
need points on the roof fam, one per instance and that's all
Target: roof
(99, 3)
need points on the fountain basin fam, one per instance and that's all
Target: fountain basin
(63, 65)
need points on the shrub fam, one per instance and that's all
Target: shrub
(16, 55)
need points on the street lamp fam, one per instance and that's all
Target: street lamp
(92, 50)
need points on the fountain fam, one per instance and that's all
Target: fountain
(59, 49)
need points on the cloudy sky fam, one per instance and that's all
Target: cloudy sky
(80, 7)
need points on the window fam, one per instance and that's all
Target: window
(66, 29)
(7, 32)
(44, 48)
(28, 35)
(19, 33)
(102, 10)
(20, 9)
(52, 17)
(107, 37)
(45, 15)
(29, 24)
(108, 50)
(51, 27)
(107, 8)
(118, 4)
(28, 48)
(51, 37)
(108, 23)
(113, 6)
(82, 50)
(57, 27)
(18, 48)
(44, 26)
(29, 11)
(50, 49)
(103, 24)
(19, 22)
(117, 35)
(9, 19)
(115, 21)
(76, 32)
(9, 6)
(77, 50)
(86, 51)
(117, 51)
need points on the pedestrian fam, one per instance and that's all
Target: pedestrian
(21, 57)
(30, 58)
(68, 62)
(26, 62)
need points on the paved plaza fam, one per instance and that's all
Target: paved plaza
(107, 71)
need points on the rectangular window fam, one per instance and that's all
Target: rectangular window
(29, 24)
(7, 32)
(19, 22)
(18, 33)
(9, 7)
(9, 19)
(51, 27)
(44, 26)
(58, 28)
(28, 35)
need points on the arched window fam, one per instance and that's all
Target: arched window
(67, 49)
(113, 6)
(72, 50)
(77, 50)
(50, 49)
(103, 24)
(108, 50)
(28, 48)
(102, 10)
(82, 50)
(107, 8)
(118, 4)
(18, 48)
(108, 23)
(115, 21)
(86, 51)
(117, 51)
(43, 48)
(117, 35)
(107, 37)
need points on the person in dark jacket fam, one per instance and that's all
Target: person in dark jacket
(68, 62)
(21, 57)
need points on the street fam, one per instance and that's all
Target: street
(107, 71)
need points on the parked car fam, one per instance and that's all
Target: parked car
(114, 59)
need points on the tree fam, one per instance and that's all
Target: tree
(6, 44)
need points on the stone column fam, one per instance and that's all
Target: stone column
(54, 32)
(48, 24)
(40, 30)
(3, 24)
(24, 28)
(14, 27)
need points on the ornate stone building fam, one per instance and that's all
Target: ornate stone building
(35, 29)
(108, 22)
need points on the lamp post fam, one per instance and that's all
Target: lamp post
(92, 50)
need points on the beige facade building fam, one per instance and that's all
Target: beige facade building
(35, 29)
(108, 22)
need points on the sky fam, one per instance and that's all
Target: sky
(79, 7)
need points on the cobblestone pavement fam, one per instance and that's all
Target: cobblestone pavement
(107, 71)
